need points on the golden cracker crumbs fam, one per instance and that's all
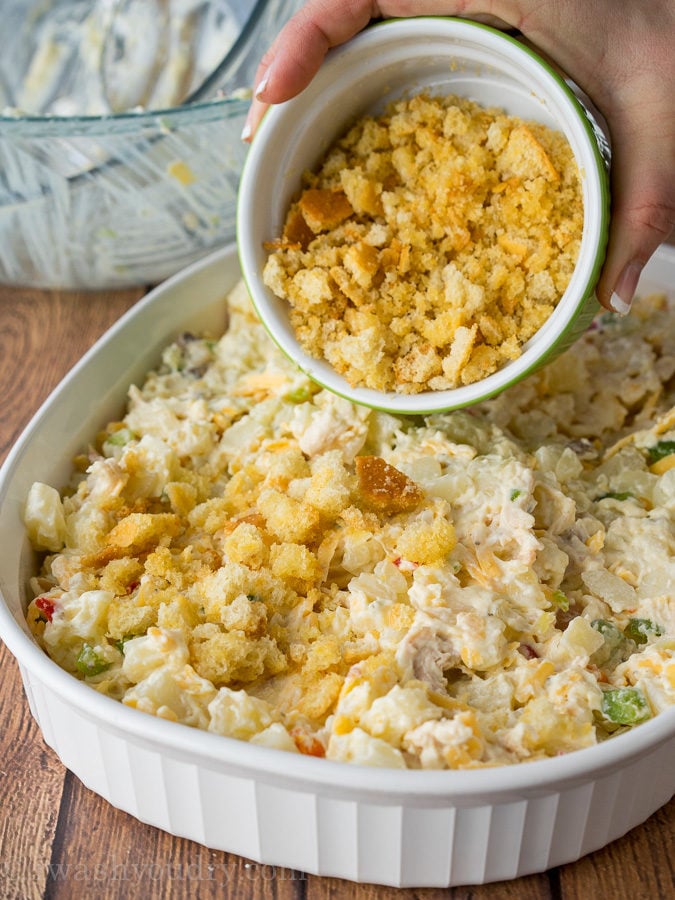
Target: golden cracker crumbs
(431, 244)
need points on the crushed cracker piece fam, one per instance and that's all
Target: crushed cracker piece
(324, 209)
(384, 488)
(297, 231)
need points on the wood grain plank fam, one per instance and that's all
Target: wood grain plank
(101, 851)
(31, 781)
(533, 887)
(639, 866)
(42, 335)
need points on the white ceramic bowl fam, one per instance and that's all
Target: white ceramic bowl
(384, 62)
(406, 828)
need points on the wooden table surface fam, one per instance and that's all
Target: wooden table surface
(59, 840)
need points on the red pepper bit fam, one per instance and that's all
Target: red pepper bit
(528, 652)
(131, 587)
(46, 605)
(307, 743)
(405, 565)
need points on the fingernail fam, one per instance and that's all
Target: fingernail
(246, 130)
(262, 87)
(624, 290)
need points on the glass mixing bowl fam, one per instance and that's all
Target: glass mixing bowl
(95, 199)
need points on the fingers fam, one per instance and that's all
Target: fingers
(302, 45)
(643, 199)
(299, 49)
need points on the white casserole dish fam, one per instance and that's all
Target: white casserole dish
(410, 828)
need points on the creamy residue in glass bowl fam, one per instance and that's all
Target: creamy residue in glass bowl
(248, 554)
(95, 197)
(90, 59)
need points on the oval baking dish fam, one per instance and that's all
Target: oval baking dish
(404, 828)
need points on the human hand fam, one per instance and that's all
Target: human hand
(619, 54)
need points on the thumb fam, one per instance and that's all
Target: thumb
(643, 199)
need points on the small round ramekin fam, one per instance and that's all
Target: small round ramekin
(386, 61)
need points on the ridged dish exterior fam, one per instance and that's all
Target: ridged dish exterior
(416, 844)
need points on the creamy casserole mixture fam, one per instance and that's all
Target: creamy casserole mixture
(247, 554)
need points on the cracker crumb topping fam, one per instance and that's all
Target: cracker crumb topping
(431, 244)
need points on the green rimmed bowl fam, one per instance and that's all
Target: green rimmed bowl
(389, 60)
